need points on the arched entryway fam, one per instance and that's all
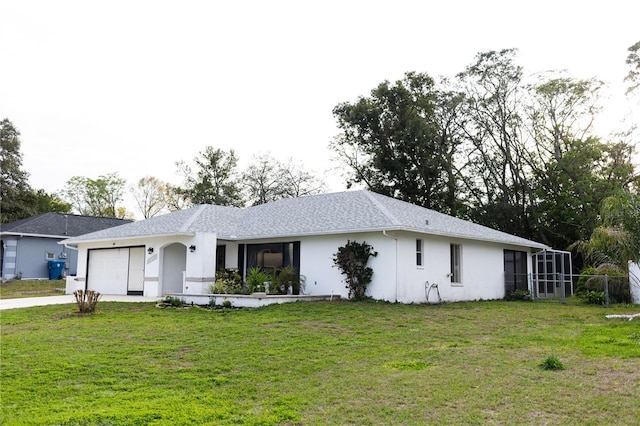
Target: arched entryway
(174, 263)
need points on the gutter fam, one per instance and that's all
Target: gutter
(384, 232)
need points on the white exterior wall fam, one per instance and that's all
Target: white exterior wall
(231, 254)
(323, 278)
(396, 276)
(199, 271)
(482, 270)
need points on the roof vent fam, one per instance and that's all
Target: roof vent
(426, 222)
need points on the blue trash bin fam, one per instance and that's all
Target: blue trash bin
(55, 269)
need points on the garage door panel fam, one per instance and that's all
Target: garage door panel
(108, 271)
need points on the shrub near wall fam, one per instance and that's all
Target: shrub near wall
(592, 285)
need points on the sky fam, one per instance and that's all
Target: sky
(131, 87)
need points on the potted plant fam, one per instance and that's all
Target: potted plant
(256, 279)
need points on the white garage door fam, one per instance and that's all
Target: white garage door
(110, 270)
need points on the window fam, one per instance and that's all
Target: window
(273, 255)
(515, 270)
(418, 252)
(221, 255)
(455, 264)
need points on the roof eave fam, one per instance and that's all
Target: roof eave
(28, 234)
(136, 237)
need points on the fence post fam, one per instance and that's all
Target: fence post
(606, 290)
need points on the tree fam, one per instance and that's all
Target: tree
(499, 192)
(16, 196)
(298, 182)
(633, 60)
(263, 180)
(267, 179)
(394, 143)
(96, 197)
(150, 194)
(50, 203)
(616, 240)
(215, 180)
(174, 198)
(572, 170)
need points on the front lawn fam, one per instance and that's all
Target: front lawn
(320, 363)
(31, 288)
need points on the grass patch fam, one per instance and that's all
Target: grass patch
(30, 288)
(552, 363)
(317, 363)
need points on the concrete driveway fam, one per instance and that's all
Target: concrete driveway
(69, 298)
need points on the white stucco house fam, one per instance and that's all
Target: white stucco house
(180, 252)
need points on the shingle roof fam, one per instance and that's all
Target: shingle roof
(340, 212)
(60, 225)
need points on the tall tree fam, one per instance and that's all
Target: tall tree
(393, 143)
(298, 182)
(50, 203)
(262, 179)
(267, 179)
(564, 159)
(215, 181)
(96, 197)
(150, 195)
(17, 200)
(174, 198)
(633, 60)
(501, 193)
(616, 239)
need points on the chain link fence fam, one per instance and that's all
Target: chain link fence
(598, 289)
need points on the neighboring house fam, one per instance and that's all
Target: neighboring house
(180, 252)
(29, 244)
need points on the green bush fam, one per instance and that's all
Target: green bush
(174, 301)
(521, 295)
(595, 280)
(283, 278)
(352, 261)
(256, 278)
(228, 281)
(585, 274)
(593, 297)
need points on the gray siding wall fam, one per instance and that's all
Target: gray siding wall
(27, 257)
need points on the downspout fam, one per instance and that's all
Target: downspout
(384, 232)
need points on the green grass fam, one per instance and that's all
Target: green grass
(337, 363)
(30, 288)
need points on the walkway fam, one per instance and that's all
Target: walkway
(69, 298)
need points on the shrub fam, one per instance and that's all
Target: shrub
(352, 261)
(552, 362)
(585, 274)
(86, 300)
(256, 278)
(228, 281)
(593, 297)
(283, 278)
(522, 295)
(174, 301)
(594, 280)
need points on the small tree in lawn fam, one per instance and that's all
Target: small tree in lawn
(352, 260)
